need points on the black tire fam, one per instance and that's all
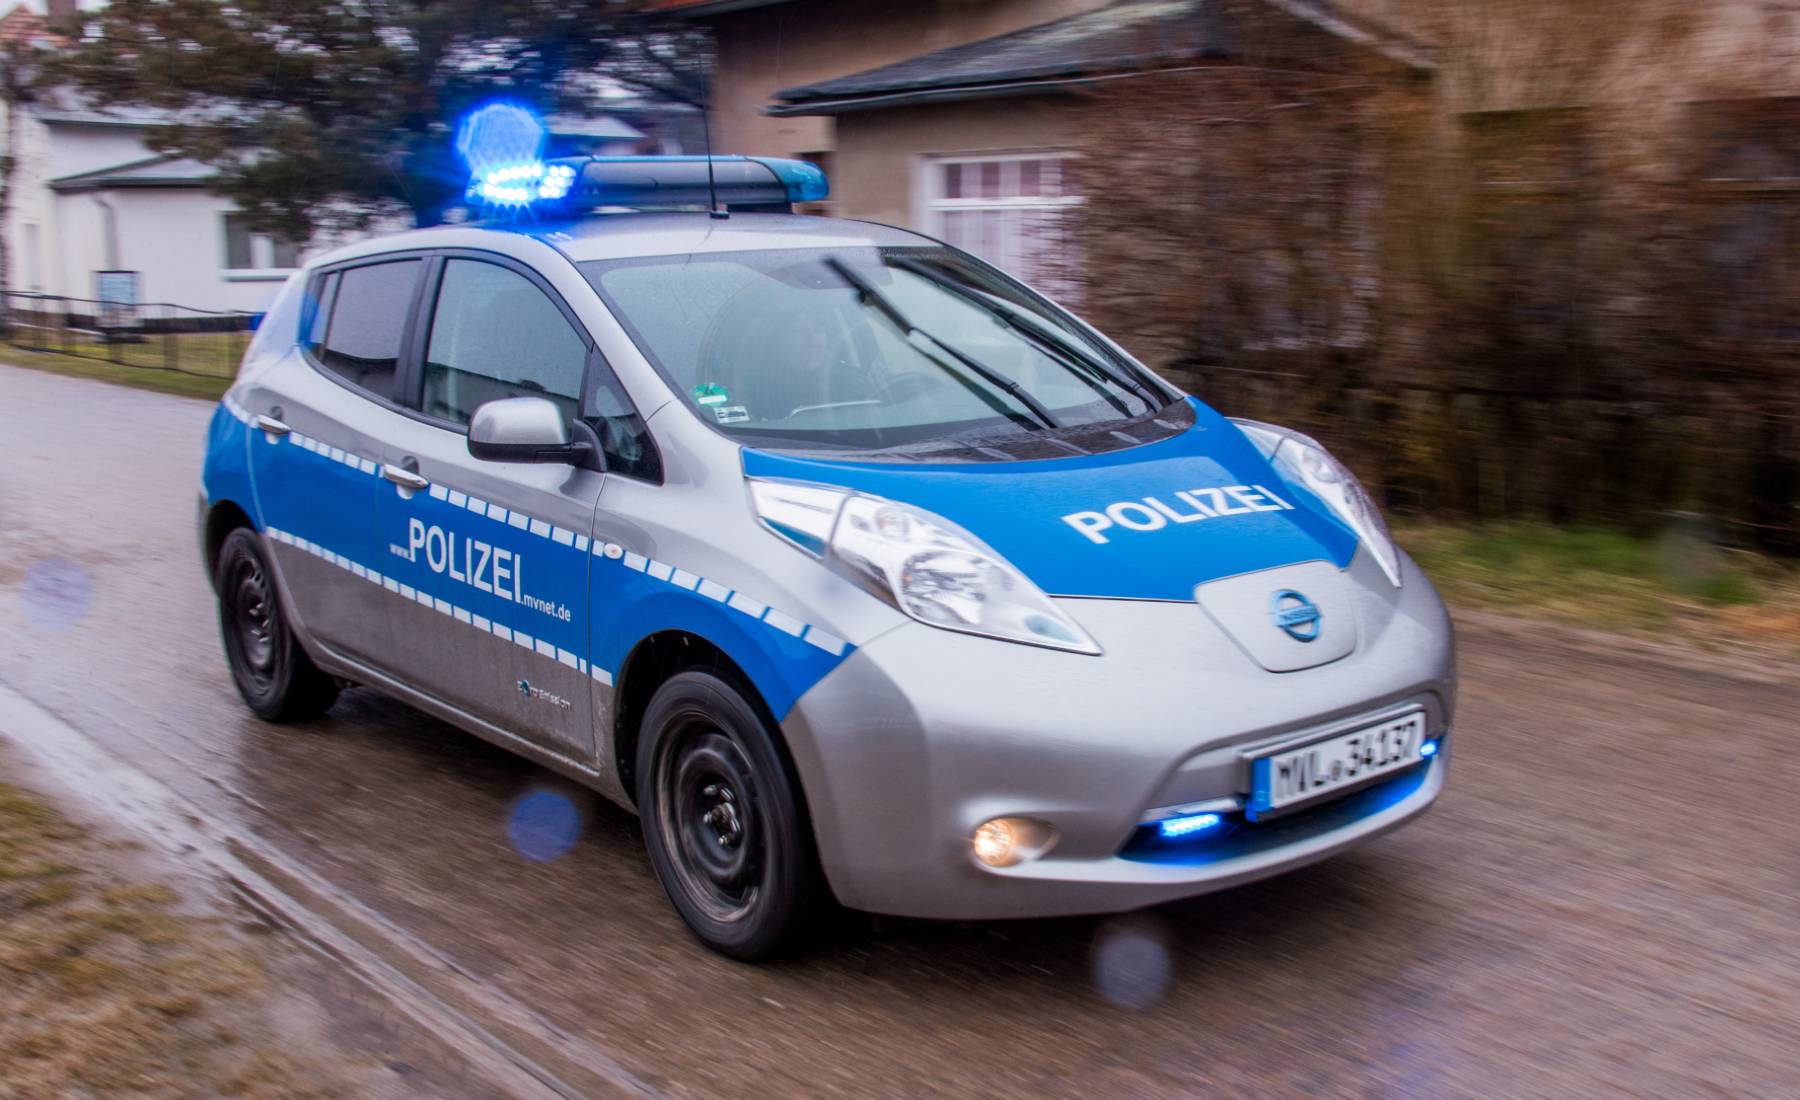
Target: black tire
(272, 672)
(724, 820)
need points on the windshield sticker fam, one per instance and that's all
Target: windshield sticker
(731, 414)
(709, 394)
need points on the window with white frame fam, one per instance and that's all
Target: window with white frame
(246, 250)
(1012, 210)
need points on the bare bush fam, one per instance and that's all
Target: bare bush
(1564, 298)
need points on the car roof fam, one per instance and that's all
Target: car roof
(631, 235)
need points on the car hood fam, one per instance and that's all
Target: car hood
(1149, 522)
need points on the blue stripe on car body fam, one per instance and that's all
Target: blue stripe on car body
(1019, 509)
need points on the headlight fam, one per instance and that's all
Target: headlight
(922, 564)
(1300, 459)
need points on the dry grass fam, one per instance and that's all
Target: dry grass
(107, 988)
(1602, 579)
(207, 386)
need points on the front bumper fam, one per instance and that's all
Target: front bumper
(923, 734)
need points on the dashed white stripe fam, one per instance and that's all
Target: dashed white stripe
(747, 605)
(662, 571)
(784, 622)
(826, 641)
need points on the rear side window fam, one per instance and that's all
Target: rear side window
(494, 334)
(366, 320)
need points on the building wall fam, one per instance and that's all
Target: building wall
(173, 236)
(766, 49)
(882, 155)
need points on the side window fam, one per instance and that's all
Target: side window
(623, 434)
(494, 334)
(367, 318)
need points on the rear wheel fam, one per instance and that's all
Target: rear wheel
(723, 819)
(272, 672)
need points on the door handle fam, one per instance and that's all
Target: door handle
(271, 425)
(404, 478)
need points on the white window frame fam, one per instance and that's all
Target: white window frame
(262, 255)
(932, 204)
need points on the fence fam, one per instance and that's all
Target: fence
(153, 337)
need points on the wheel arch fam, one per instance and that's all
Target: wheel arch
(222, 518)
(651, 663)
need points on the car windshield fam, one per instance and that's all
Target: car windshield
(865, 348)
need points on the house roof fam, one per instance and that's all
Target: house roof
(21, 24)
(62, 105)
(163, 171)
(1122, 37)
(602, 127)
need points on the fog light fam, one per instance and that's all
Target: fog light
(1008, 841)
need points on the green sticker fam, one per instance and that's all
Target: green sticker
(711, 393)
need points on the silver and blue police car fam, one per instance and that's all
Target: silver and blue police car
(861, 571)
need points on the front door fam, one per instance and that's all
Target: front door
(491, 559)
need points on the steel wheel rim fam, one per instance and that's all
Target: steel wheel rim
(254, 621)
(709, 820)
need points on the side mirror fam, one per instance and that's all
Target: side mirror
(527, 429)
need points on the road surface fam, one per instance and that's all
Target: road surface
(1603, 903)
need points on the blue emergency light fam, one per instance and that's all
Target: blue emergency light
(503, 145)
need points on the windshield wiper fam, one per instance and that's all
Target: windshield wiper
(1040, 335)
(925, 342)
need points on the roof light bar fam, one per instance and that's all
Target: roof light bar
(573, 185)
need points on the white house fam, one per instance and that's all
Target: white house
(96, 214)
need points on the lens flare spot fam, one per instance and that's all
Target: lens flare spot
(1132, 963)
(56, 593)
(544, 826)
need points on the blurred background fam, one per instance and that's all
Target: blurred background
(1523, 263)
(1531, 267)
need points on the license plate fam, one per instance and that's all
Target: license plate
(1291, 777)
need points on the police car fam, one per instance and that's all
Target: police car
(861, 571)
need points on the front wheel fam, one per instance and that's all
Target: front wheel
(723, 819)
(272, 672)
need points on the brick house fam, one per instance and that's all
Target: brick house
(1551, 248)
(959, 118)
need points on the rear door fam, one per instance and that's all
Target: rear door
(491, 557)
(316, 418)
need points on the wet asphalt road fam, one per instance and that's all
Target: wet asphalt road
(1605, 902)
